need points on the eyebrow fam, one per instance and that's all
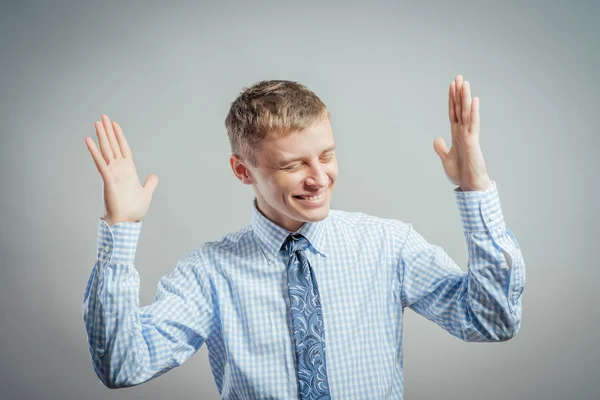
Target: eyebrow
(290, 160)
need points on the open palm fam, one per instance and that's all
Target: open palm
(125, 199)
(463, 163)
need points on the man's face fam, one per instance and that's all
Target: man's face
(289, 170)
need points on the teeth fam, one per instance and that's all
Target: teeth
(314, 198)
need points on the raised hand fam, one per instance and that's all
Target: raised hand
(125, 199)
(463, 164)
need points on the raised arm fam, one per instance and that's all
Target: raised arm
(483, 304)
(130, 345)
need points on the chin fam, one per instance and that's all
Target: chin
(311, 213)
(316, 215)
(319, 217)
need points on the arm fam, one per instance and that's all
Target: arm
(129, 344)
(482, 304)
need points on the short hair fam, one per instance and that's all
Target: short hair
(275, 107)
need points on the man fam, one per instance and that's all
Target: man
(304, 302)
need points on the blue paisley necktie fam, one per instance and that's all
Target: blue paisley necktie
(307, 319)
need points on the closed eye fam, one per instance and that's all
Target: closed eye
(296, 166)
(292, 167)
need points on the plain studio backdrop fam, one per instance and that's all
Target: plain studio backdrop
(168, 71)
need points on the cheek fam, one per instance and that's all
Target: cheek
(333, 171)
(287, 182)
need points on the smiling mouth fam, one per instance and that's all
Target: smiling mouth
(311, 198)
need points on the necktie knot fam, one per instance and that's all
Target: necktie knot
(295, 242)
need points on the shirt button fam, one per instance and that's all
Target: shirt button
(504, 265)
(106, 248)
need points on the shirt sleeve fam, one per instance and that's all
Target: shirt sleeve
(130, 344)
(483, 304)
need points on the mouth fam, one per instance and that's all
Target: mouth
(312, 199)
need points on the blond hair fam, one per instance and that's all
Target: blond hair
(275, 107)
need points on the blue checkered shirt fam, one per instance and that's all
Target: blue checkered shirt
(232, 295)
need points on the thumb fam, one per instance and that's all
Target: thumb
(439, 145)
(151, 183)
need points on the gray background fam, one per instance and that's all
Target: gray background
(168, 73)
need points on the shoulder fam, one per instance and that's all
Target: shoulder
(359, 222)
(228, 245)
(204, 259)
(356, 219)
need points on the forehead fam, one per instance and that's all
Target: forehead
(307, 143)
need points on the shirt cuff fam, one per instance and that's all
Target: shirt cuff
(480, 211)
(117, 243)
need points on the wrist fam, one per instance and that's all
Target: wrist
(479, 187)
(112, 221)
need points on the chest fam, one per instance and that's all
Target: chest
(359, 291)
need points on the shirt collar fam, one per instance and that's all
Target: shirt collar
(272, 236)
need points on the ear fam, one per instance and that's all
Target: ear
(241, 171)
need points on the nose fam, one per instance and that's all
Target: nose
(318, 177)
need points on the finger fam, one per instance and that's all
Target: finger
(466, 102)
(474, 126)
(451, 112)
(151, 183)
(125, 151)
(439, 146)
(103, 142)
(114, 146)
(98, 160)
(457, 96)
